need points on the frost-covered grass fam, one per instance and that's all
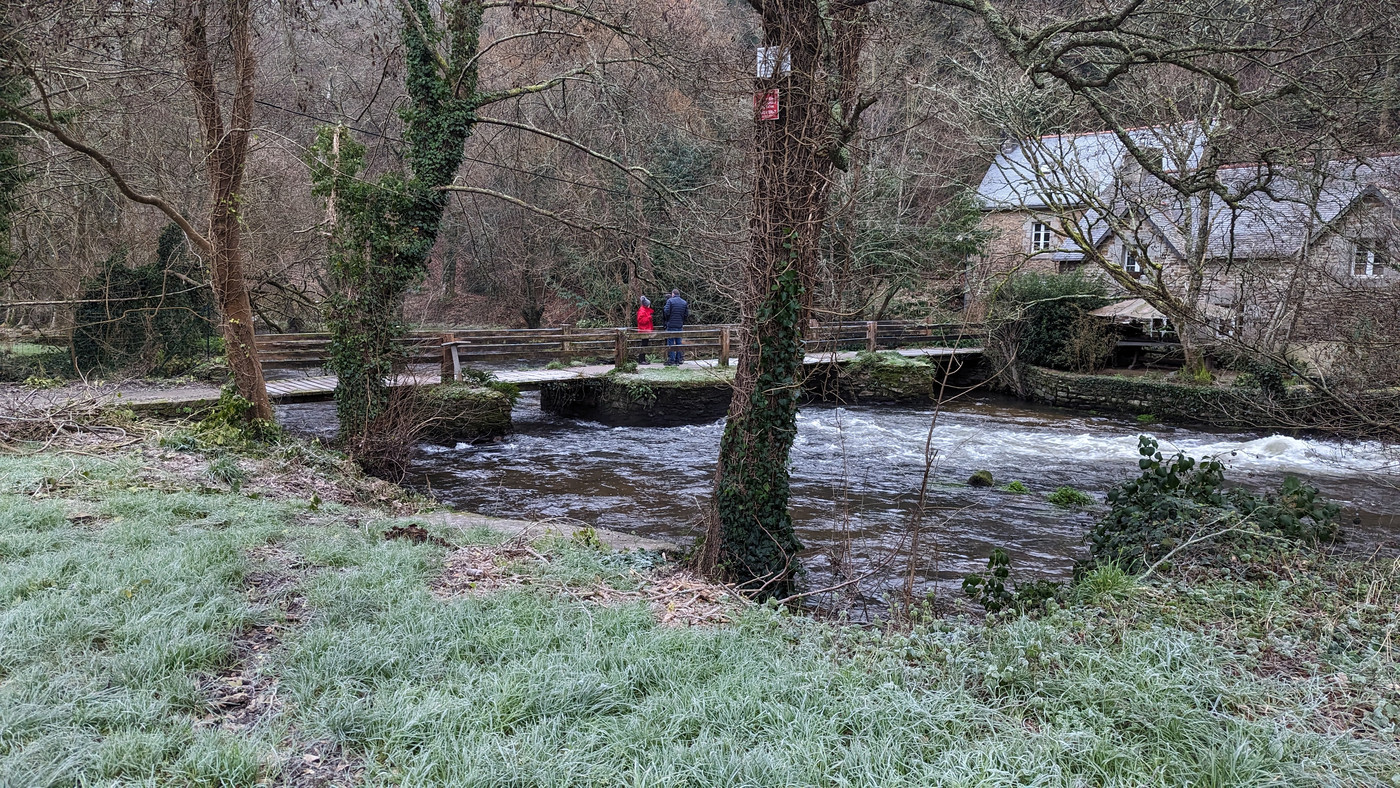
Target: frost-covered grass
(108, 623)
(118, 602)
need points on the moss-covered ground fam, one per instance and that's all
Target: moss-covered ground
(158, 628)
(653, 374)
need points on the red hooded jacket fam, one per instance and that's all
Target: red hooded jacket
(644, 318)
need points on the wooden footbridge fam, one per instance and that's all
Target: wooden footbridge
(520, 356)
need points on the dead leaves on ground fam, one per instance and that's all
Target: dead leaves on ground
(676, 597)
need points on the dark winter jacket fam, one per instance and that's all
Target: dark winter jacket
(675, 312)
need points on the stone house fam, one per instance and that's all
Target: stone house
(1296, 257)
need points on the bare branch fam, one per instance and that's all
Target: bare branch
(57, 131)
(650, 181)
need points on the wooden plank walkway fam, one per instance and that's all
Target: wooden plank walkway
(317, 388)
(533, 378)
(322, 387)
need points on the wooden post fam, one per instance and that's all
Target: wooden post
(564, 345)
(621, 351)
(870, 335)
(448, 372)
(724, 346)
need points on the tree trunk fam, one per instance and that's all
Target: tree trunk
(225, 155)
(750, 539)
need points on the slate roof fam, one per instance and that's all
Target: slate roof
(1274, 222)
(1049, 172)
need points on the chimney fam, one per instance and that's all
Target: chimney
(1008, 143)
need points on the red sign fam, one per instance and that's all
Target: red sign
(766, 104)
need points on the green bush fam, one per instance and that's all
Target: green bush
(227, 470)
(1044, 319)
(21, 363)
(37, 382)
(226, 426)
(1179, 500)
(1016, 487)
(511, 390)
(146, 318)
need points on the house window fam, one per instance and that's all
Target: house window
(1132, 264)
(1040, 236)
(1369, 259)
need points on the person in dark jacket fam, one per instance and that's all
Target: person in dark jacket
(674, 314)
(644, 325)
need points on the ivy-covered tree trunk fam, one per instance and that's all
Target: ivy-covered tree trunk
(386, 228)
(750, 539)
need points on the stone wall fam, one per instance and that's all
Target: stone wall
(1213, 406)
(462, 413)
(638, 400)
(889, 377)
(631, 401)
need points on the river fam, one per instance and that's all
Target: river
(856, 477)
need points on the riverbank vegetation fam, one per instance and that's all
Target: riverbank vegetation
(165, 627)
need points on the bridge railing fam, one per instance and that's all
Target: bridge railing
(456, 347)
(420, 347)
(719, 342)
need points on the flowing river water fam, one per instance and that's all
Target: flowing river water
(857, 471)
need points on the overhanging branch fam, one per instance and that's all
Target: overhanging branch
(57, 132)
(636, 173)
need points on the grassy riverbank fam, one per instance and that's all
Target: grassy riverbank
(166, 619)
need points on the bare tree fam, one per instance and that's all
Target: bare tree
(225, 142)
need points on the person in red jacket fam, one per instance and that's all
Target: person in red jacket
(644, 325)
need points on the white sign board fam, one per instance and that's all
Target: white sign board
(768, 61)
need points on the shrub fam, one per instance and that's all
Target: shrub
(511, 390)
(227, 470)
(145, 318)
(995, 590)
(1016, 487)
(1043, 319)
(26, 363)
(228, 423)
(1106, 582)
(1178, 501)
(1069, 497)
(36, 382)
(1195, 376)
(1263, 374)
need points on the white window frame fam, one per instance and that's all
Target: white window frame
(1372, 249)
(1132, 263)
(1042, 237)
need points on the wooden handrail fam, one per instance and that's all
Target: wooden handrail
(450, 348)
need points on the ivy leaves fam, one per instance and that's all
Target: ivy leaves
(1179, 501)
